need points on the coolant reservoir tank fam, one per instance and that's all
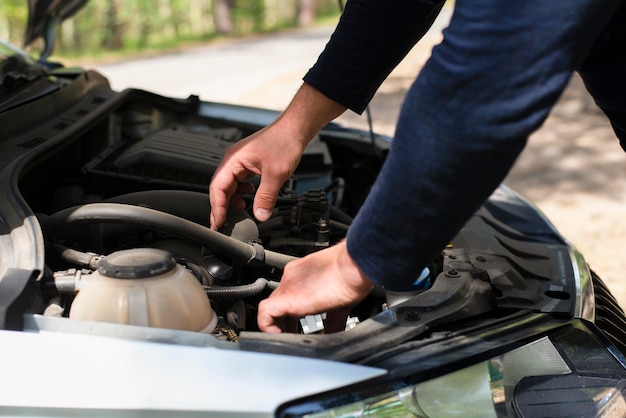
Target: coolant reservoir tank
(144, 287)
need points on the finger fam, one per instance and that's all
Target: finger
(237, 203)
(266, 321)
(270, 327)
(222, 188)
(265, 198)
(217, 217)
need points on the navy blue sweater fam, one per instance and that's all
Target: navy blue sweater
(492, 82)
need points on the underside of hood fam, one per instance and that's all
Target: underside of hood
(43, 18)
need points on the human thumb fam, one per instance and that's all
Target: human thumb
(265, 197)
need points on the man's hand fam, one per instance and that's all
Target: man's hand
(325, 281)
(272, 153)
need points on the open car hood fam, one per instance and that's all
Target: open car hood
(43, 18)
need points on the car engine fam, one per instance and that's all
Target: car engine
(125, 221)
(152, 256)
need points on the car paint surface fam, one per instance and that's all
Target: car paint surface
(88, 373)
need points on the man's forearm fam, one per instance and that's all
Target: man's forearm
(308, 112)
(372, 37)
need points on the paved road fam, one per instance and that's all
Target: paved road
(572, 169)
(262, 71)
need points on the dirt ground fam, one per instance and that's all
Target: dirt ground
(572, 169)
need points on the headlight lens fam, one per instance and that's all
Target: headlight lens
(550, 374)
(482, 388)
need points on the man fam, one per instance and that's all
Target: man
(493, 80)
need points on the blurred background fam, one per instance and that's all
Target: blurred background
(113, 28)
(255, 52)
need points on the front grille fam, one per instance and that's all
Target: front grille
(610, 316)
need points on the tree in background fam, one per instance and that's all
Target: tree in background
(305, 13)
(114, 29)
(117, 25)
(13, 15)
(224, 24)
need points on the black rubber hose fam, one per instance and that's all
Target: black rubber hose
(241, 291)
(162, 222)
(72, 256)
(340, 216)
(277, 223)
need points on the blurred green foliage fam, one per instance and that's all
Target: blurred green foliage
(105, 26)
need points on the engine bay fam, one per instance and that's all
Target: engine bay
(235, 268)
(124, 214)
(133, 188)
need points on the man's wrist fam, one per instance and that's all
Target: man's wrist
(357, 276)
(309, 111)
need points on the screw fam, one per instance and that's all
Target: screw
(452, 273)
(412, 316)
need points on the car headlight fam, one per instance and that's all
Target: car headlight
(568, 373)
